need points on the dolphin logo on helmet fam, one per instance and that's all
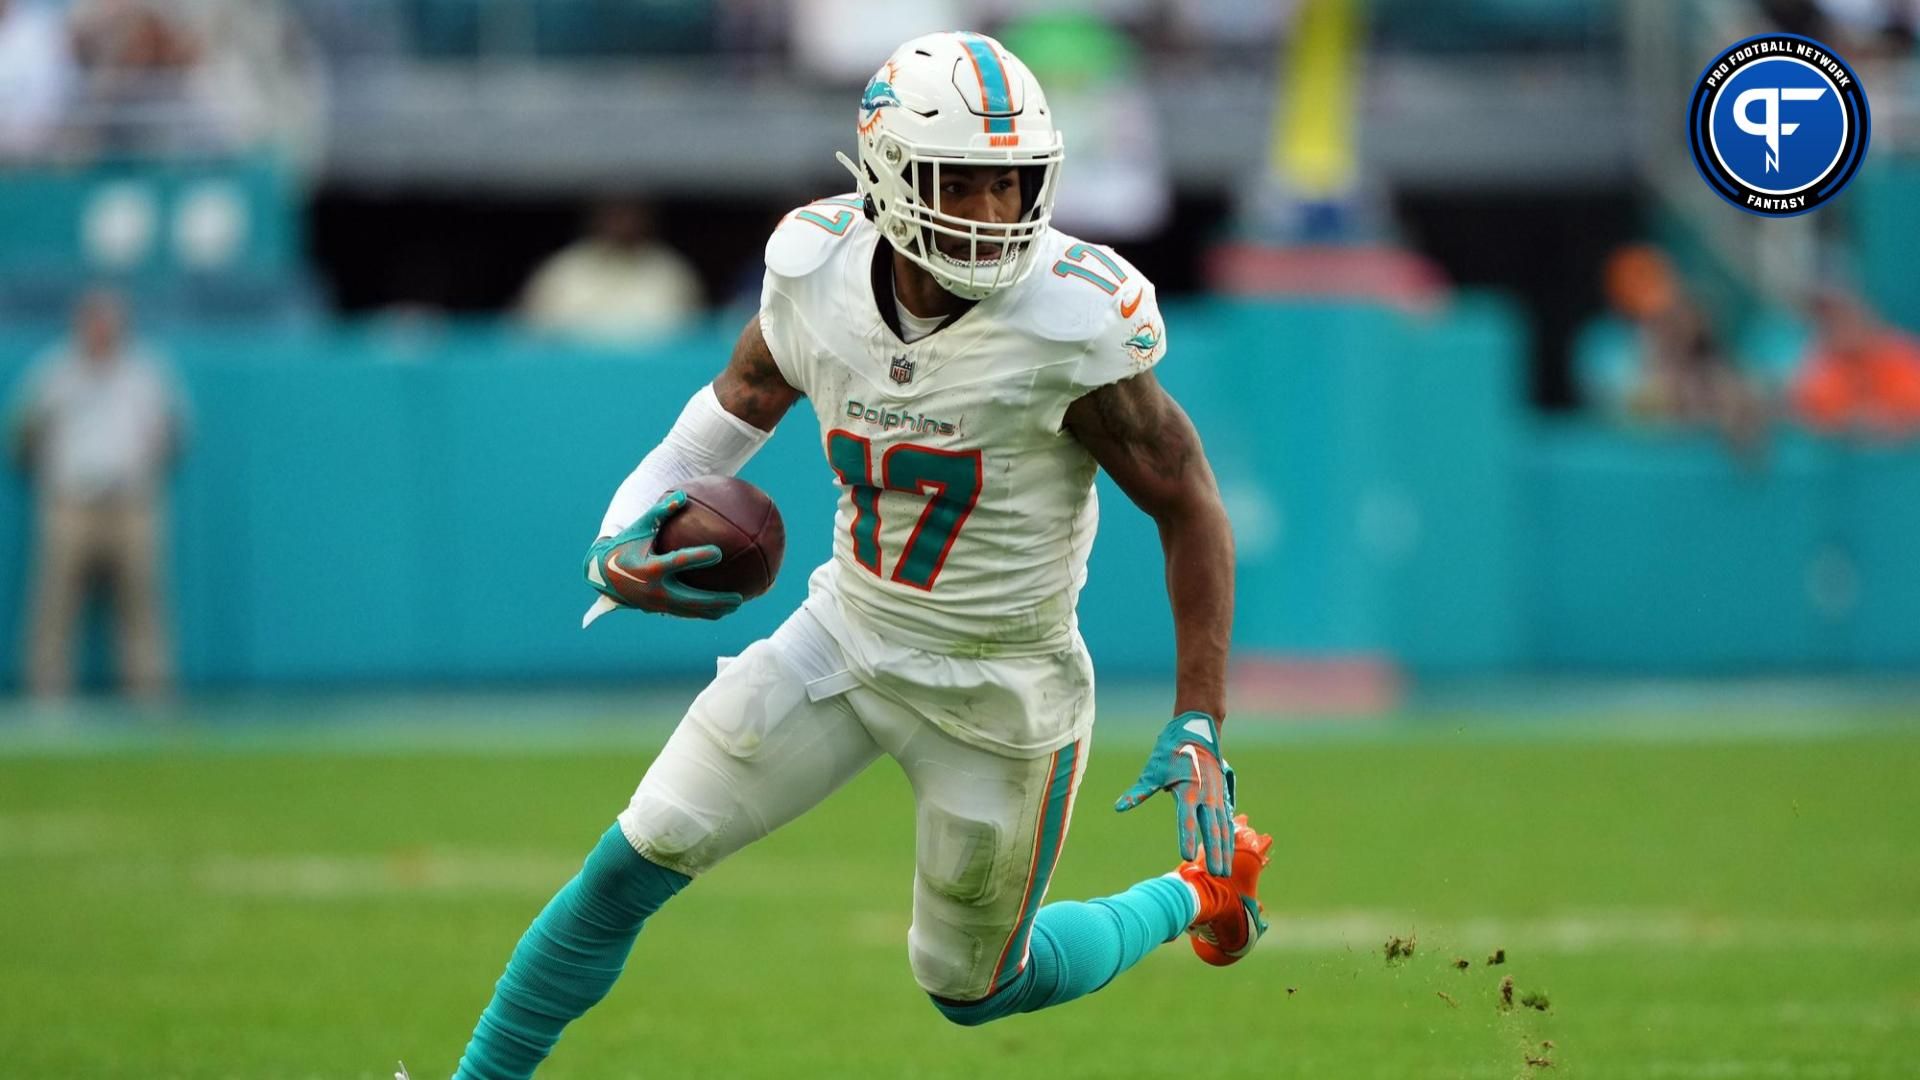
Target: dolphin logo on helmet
(961, 99)
(879, 95)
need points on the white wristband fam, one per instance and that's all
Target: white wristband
(707, 440)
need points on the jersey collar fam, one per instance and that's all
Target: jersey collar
(881, 279)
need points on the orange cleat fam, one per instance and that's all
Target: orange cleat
(1231, 919)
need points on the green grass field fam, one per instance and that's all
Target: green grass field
(1721, 902)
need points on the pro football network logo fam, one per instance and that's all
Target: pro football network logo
(1778, 124)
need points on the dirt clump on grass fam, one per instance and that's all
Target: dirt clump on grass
(1400, 948)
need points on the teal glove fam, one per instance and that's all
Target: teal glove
(627, 570)
(1186, 761)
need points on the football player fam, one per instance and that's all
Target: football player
(969, 367)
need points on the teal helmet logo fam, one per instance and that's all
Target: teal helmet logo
(879, 95)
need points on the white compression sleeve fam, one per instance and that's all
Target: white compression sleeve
(706, 440)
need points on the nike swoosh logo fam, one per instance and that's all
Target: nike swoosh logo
(1193, 755)
(644, 583)
(1128, 307)
(1199, 792)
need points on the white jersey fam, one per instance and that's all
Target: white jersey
(966, 513)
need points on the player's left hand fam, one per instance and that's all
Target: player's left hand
(1186, 761)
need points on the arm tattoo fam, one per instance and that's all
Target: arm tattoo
(1136, 420)
(1146, 443)
(752, 387)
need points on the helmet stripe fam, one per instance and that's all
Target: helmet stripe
(994, 96)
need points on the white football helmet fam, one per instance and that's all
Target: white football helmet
(949, 99)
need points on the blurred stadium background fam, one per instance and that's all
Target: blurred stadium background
(1579, 612)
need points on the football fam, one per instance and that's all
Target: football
(741, 521)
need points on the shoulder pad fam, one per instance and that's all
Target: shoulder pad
(1081, 291)
(807, 236)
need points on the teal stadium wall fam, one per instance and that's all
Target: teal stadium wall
(198, 241)
(409, 502)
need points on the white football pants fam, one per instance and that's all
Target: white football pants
(784, 724)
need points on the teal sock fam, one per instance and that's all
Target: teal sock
(568, 959)
(1078, 948)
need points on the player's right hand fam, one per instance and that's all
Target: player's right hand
(626, 570)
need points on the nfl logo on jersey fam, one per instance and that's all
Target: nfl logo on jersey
(902, 370)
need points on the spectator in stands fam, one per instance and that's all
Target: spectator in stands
(144, 91)
(1859, 374)
(96, 423)
(619, 283)
(1682, 375)
(259, 79)
(37, 77)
